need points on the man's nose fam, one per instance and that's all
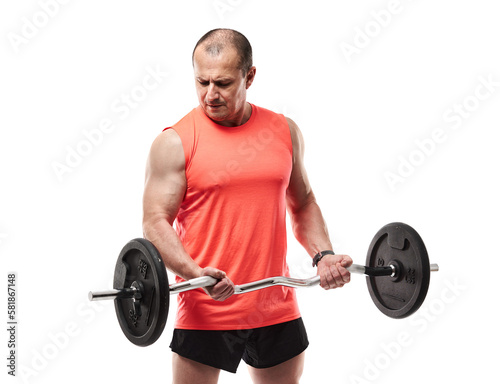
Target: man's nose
(213, 92)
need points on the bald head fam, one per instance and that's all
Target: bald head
(218, 40)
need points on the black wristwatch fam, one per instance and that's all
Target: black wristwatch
(320, 255)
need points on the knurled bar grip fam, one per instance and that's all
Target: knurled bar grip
(208, 281)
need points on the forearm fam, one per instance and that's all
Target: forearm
(310, 228)
(166, 240)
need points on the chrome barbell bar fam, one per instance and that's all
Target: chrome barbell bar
(208, 281)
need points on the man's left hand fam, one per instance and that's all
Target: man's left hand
(332, 271)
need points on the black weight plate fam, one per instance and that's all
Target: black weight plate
(140, 262)
(401, 245)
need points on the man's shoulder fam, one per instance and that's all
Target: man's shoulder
(271, 115)
(264, 110)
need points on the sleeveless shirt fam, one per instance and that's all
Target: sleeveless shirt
(233, 217)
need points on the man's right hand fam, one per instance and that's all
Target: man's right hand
(223, 289)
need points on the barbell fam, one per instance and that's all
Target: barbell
(397, 270)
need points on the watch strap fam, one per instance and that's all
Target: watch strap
(320, 255)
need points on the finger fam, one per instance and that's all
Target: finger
(323, 283)
(224, 285)
(216, 273)
(346, 261)
(223, 289)
(329, 280)
(345, 274)
(334, 269)
(228, 292)
(224, 295)
(215, 294)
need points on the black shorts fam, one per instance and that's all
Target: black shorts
(259, 347)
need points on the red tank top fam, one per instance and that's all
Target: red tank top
(233, 217)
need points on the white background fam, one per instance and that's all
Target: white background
(362, 102)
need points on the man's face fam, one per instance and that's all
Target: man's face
(221, 86)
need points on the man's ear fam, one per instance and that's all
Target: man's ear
(250, 76)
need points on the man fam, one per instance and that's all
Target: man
(227, 173)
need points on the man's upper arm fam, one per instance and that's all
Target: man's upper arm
(299, 192)
(165, 183)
